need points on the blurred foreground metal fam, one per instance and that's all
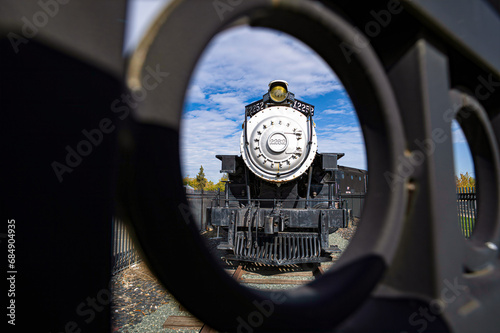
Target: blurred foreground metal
(409, 68)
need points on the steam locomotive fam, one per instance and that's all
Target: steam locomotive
(282, 198)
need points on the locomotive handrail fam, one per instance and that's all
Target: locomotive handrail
(285, 200)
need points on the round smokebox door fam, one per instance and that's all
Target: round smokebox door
(277, 143)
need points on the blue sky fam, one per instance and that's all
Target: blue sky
(462, 154)
(235, 70)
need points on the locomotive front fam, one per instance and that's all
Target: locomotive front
(281, 200)
(278, 143)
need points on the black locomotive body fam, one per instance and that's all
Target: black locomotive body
(282, 198)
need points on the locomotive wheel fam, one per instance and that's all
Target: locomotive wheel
(152, 196)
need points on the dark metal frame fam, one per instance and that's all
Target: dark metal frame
(407, 243)
(59, 80)
(408, 258)
(359, 269)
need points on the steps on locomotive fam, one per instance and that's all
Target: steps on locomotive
(331, 249)
(280, 249)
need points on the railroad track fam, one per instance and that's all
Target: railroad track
(255, 276)
(285, 277)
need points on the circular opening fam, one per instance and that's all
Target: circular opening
(231, 74)
(478, 202)
(465, 180)
(155, 199)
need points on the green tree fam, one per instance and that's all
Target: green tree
(220, 184)
(465, 180)
(208, 184)
(201, 180)
(190, 181)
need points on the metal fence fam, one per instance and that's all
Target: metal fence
(124, 253)
(198, 203)
(467, 209)
(354, 202)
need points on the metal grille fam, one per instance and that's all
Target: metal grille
(124, 253)
(285, 248)
(467, 209)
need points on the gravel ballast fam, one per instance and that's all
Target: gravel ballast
(141, 304)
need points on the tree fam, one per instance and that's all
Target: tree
(200, 179)
(465, 180)
(189, 181)
(208, 184)
(220, 184)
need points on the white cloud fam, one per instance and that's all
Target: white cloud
(202, 139)
(342, 106)
(461, 151)
(246, 59)
(196, 95)
(457, 134)
(235, 70)
(231, 104)
(330, 111)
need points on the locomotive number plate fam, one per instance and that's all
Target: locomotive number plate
(303, 107)
(255, 107)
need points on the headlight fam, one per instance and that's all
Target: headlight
(278, 94)
(278, 90)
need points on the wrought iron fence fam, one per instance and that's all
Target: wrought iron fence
(467, 209)
(124, 253)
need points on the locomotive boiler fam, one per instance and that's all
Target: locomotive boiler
(281, 200)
